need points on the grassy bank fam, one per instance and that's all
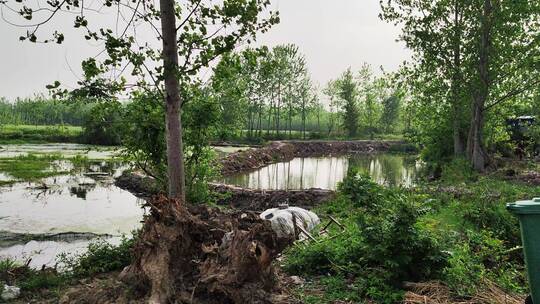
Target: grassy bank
(455, 232)
(18, 134)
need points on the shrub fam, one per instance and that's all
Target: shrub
(381, 247)
(102, 125)
(464, 272)
(457, 171)
(101, 257)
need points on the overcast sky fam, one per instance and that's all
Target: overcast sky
(333, 35)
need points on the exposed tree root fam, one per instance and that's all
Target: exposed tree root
(202, 255)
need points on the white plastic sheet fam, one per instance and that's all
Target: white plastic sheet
(282, 220)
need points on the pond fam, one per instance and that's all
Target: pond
(327, 172)
(63, 213)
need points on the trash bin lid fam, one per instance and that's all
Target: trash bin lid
(525, 207)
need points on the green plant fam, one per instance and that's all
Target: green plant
(103, 125)
(381, 246)
(465, 271)
(100, 257)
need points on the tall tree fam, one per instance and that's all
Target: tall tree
(192, 33)
(348, 94)
(476, 52)
(433, 30)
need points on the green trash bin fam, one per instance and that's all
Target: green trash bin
(528, 213)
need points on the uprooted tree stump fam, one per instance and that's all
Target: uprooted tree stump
(198, 254)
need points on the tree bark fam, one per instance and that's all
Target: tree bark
(475, 145)
(459, 148)
(175, 154)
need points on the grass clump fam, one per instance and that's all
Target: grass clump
(100, 257)
(31, 280)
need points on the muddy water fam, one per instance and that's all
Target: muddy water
(327, 172)
(77, 207)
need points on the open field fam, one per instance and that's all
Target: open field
(39, 133)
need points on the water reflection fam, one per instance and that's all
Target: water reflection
(327, 172)
(86, 200)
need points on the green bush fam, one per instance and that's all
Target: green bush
(103, 124)
(457, 171)
(381, 247)
(465, 271)
(101, 257)
(478, 255)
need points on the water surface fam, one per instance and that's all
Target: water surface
(85, 201)
(327, 172)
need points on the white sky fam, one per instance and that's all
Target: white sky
(333, 34)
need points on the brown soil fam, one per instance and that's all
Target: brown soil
(529, 177)
(260, 200)
(197, 254)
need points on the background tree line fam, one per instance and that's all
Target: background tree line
(365, 105)
(475, 63)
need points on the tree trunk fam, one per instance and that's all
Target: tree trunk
(459, 148)
(278, 110)
(475, 145)
(175, 156)
(268, 125)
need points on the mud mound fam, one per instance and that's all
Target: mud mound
(138, 184)
(260, 200)
(529, 177)
(197, 254)
(257, 158)
(324, 148)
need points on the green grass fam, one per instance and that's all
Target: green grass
(30, 167)
(11, 134)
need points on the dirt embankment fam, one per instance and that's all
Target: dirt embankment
(260, 200)
(235, 197)
(283, 151)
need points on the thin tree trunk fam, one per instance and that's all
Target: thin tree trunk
(475, 145)
(268, 125)
(259, 121)
(278, 110)
(175, 156)
(456, 98)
